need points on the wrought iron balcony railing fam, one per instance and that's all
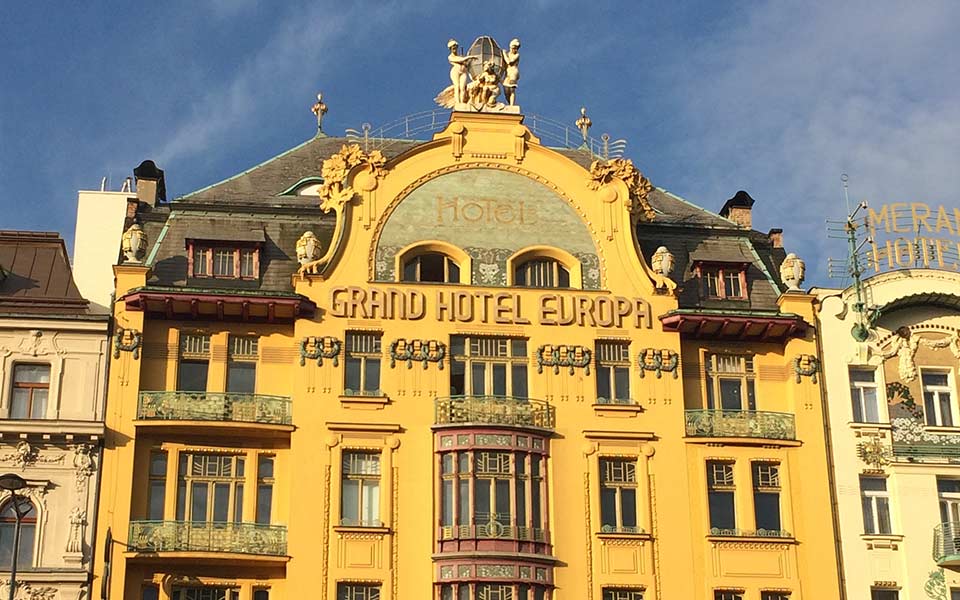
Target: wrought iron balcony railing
(946, 543)
(768, 533)
(741, 423)
(926, 451)
(494, 410)
(187, 536)
(214, 406)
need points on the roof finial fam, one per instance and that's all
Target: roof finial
(319, 109)
(584, 123)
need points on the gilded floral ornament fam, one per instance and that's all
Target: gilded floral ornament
(874, 453)
(605, 172)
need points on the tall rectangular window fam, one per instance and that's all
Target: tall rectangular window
(158, 485)
(730, 382)
(774, 595)
(877, 594)
(613, 373)
(31, 387)
(248, 263)
(720, 496)
(948, 492)
(937, 398)
(362, 366)
(150, 592)
(242, 364)
(488, 366)
(722, 281)
(223, 262)
(876, 505)
(360, 489)
(358, 591)
(194, 363)
(766, 496)
(210, 488)
(863, 393)
(618, 495)
(728, 595)
(265, 463)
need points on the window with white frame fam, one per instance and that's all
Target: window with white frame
(722, 280)
(210, 487)
(948, 493)
(766, 495)
(938, 397)
(876, 505)
(863, 394)
(622, 594)
(488, 366)
(360, 489)
(358, 591)
(618, 495)
(224, 261)
(720, 496)
(362, 364)
(613, 372)
(28, 531)
(731, 382)
(884, 594)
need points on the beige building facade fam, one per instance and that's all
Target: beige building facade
(53, 359)
(895, 431)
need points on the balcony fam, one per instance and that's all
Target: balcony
(175, 410)
(222, 538)
(494, 410)
(745, 424)
(946, 545)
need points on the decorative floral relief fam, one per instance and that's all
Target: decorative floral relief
(127, 340)
(422, 351)
(652, 359)
(384, 262)
(590, 266)
(319, 348)
(874, 453)
(557, 356)
(26, 455)
(912, 431)
(27, 591)
(489, 265)
(806, 365)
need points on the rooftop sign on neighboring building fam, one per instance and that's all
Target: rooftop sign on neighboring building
(913, 234)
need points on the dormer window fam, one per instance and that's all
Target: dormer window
(237, 260)
(727, 281)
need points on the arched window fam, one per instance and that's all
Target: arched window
(28, 530)
(431, 267)
(542, 273)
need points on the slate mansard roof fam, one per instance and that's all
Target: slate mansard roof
(258, 203)
(35, 277)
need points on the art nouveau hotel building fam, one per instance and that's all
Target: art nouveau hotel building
(474, 366)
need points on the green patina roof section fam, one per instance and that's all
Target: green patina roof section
(215, 291)
(731, 313)
(762, 266)
(156, 244)
(253, 168)
(303, 181)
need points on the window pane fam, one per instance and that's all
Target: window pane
(622, 383)
(198, 511)
(150, 593)
(261, 595)
(371, 382)
(352, 374)
(730, 394)
(499, 379)
(431, 268)
(463, 507)
(192, 376)
(603, 382)
(870, 405)
(721, 510)
(868, 520)
(221, 502)
(767, 507)
(31, 374)
(155, 509)
(481, 500)
(238, 503)
(934, 379)
(503, 500)
(223, 262)
(883, 515)
(946, 412)
(371, 502)
(478, 372)
(410, 270)
(446, 503)
(875, 484)
(535, 515)
(265, 467)
(241, 377)
(20, 403)
(521, 503)
(457, 369)
(350, 501)
(608, 507)
(264, 503)
(519, 383)
(453, 271)
(628, 509)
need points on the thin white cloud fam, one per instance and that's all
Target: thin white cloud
(798, 94)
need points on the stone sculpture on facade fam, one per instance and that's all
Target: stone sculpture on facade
(662, 261)
(584, 123)
(133, 244)
(308, 248)
(511, 58)
(792, 271)
(905, 346)
(458, 72)
(78, 518)
(602, 172)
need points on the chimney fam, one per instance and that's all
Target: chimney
(776, 237)
(737, 209)
(150, 185)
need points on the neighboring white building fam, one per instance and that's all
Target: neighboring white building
(53, 359)
(895, 432)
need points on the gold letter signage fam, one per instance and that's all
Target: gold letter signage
(500, 308)
(918, 235)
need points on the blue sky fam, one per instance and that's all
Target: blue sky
(777, 98)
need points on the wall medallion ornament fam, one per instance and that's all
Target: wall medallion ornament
(806, 365)
(561, 355)
(604, 172)
(422, 351)
(319, 348)
(652, 359)
(127, 340)
(874, 453)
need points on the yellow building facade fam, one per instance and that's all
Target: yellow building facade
(496, 370)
